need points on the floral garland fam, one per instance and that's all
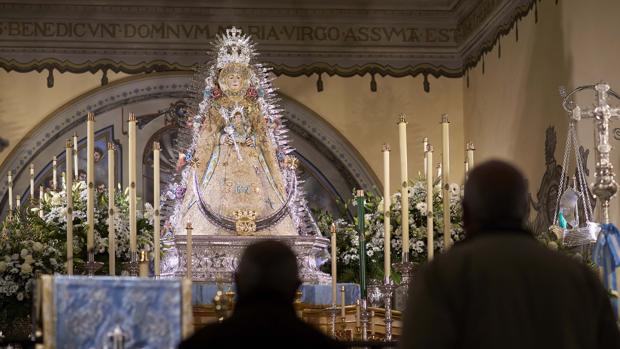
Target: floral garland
(33, 241)
(348, 237)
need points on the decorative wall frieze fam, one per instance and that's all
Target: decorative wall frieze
(438, 38)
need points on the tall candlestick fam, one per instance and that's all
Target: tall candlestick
(404, 186)
(466, 165)
(75, 156)
(372, 324)
(429, 205)
(18, 202)
(10, 184)
(31, 182)
(387, 228)
(111, 211)
(439, 175)
(41, 201)
(144, 264)
(90, 182)
(361, 229)
(188, 228)
(54, 173)
(156, 205)
(332, 228)
(343, 303)
(424, 149)
(445, 137)
(470, 155)
(132, 184)
(69, 195)
(357, 314)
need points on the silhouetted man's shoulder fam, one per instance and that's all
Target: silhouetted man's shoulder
(260, 333)
(508, 290)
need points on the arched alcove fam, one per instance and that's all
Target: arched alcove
(330, 166)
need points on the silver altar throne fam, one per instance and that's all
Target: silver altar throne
(215, 258)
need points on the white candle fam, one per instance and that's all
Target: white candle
(54, 174)
(429, 205)
(90, 182)
(188, 253)
(424, 149)
(334, 265)
(75, 156)
(343, 313)
(466, 169)
(31, 182)
(41, 201)
(156, 205)
(132, 184)
(69, 192)
(445, 128)
(10, 184)
(63, 179)
(387, 228)
(144, 264)
(18, 201)
(404, 190)
(470, 155)
(372, 323)
(357, 313)
(111, 211)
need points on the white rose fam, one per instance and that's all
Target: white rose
(2, 267)
(53, 262)
(7, 259)
(26, 268)
(37, 246)
(20, 296)
(24, 253)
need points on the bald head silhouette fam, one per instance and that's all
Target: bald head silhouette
(267, 271)
(495, 198)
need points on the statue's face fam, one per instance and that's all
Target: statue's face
(233, 80)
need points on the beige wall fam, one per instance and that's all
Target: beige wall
(508, 108)
(25, 99)
(368, 119)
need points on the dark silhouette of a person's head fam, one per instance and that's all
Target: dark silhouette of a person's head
(267, 272)
(495, 198)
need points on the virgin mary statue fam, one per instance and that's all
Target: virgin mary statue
(237, 176)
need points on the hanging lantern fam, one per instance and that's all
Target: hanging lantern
(568, 225)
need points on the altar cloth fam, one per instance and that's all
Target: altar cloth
(83, 312)
(203, 293)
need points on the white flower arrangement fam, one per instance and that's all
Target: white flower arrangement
(348, 236)
(34, 243)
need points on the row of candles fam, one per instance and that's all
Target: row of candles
(444, 180)
(71, 159)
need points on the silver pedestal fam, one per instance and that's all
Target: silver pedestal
(215, 258)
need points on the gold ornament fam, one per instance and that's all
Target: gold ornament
(291, 162)
(246, 221)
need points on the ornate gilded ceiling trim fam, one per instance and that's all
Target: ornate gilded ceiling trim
(404, 47)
